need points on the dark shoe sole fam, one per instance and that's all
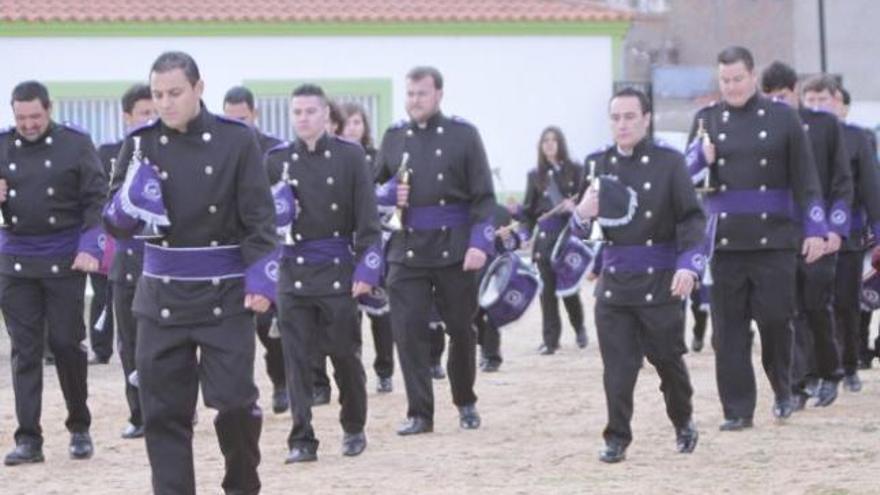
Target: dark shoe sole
(18, 462)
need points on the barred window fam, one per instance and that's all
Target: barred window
(101, 117)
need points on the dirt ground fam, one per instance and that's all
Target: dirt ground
(542, 422)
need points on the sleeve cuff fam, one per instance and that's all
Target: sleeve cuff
(371, 266)
(261, 277)
(840, 219)
(693, 260)
(91, 240)
(814, 220)
(483, 237)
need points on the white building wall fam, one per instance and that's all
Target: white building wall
(509, 86)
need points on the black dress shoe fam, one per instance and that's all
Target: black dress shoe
(301, 454)
(782, 408)
(852, 382)
(546, 350)
(736, 424)
(24, 453)
(98, 360)
(132, 431)
(811, 387)
(320, 396)
(437, 372)
(280, 400)
(385, 385)
(697, 345)
(612, 453)
(827, 393)
(468, 417)
(81, 445)
(353, 444)
(490, 366)
(799, 400)
(686, 438)
(581, 337)
(415, 425)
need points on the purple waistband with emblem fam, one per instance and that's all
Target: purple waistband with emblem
(201, 263)
(317, 251)
(554, 223)
(62, 243)
(436, 217)
(639, 258)
(775, 201)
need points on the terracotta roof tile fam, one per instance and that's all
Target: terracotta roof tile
(308, 10)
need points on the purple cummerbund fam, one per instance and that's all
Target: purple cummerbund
(199, 263)
(639, 258)
(62, 243)
(436, 217)
(744, 201)
(319, 251)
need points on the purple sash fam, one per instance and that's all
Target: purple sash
(775, 201)
(639, 258)
(436, 217)
(63, 243)
(318, 251)
(200, 263)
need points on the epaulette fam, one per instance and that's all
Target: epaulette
(460, 120)
(599, 151)
(110, 144)
(400, 124)
(75, 128)
(283, 145)
(347, 142)
(230, 120)
(149, 124)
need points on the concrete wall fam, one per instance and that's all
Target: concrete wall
(510, 87)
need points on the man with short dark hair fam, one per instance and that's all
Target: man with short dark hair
(815, 351)
(127, 262)
(239, 104)
(761, 168)
(652, 261)
(446, 237)
(209, 264)
(334, 258)
(52, 188)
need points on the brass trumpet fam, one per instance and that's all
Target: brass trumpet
(403, 173)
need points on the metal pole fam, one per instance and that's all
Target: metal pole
(823, 62)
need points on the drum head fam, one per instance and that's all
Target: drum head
(496, 279)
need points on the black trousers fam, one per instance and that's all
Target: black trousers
(552, 323)
(815, 349)
(101, 337)
(171, 362)
(847, 307)
(489, 338)
(628, 333)
(273, 356)
(31, 307)
(383, 342)
(328, 324)
(412, 291)
(126, 326)
(749, 285)
(700, 310)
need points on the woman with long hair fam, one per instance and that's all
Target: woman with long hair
(557, 179)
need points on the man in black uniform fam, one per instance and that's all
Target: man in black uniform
(763, 172)
(815, 350)
(445, 241)
(127, 261)
(335, 257)
(214, 265)
(821, 92)
(239, 104)
(650, 265)
(51, 188)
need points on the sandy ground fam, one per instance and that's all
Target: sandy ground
(542, 420)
